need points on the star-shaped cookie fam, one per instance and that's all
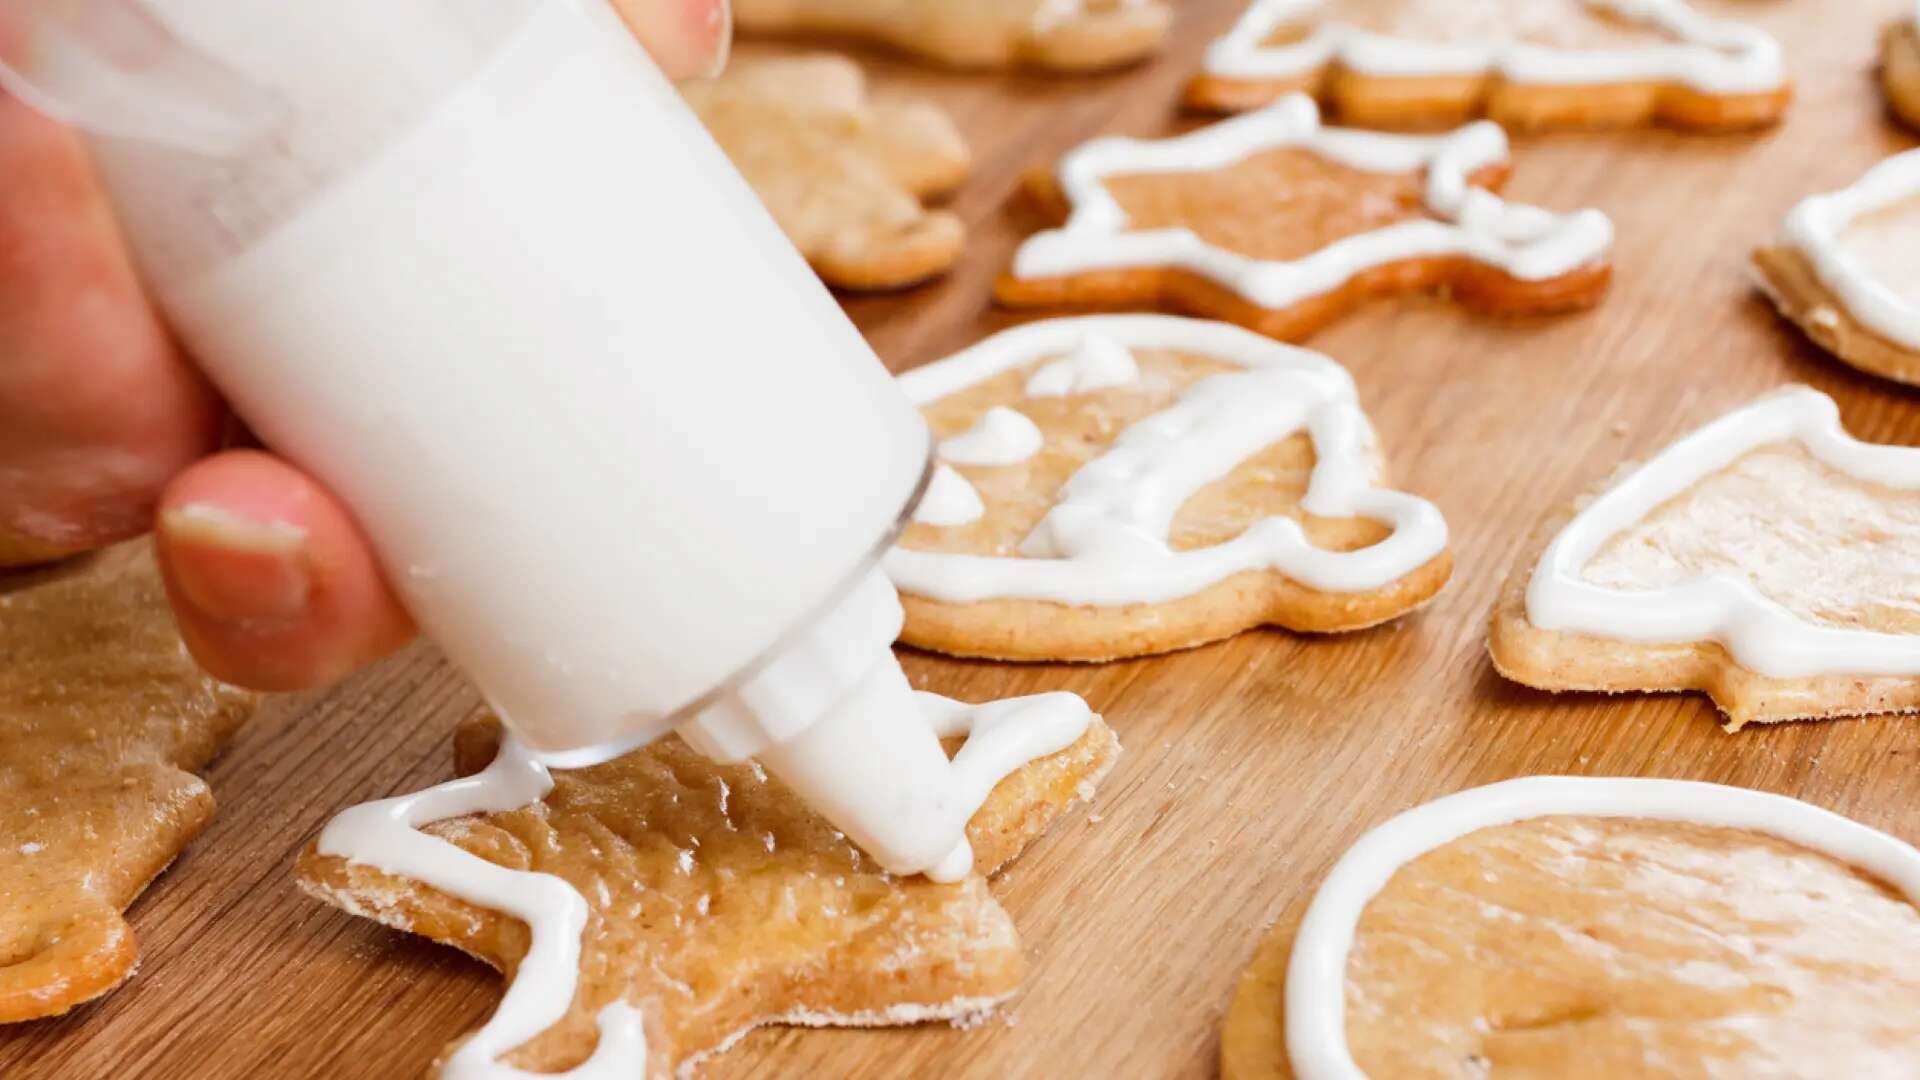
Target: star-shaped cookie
(1277, 223)
(1768, 559)
(715, 902)
(844, 176)
(1528, 64)
(1058, 35)
(102, 716)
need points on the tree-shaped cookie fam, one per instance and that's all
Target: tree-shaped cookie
(1277, 223)
(1594, 927)
(1525, 63)
(1120, 485)
(844, 176)
(651, 910)
(1767, 559)
(102, 715)
(1845, 268)
(1058, 35)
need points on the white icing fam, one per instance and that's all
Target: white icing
(1001, 436)
(950, 500)
(1760, 634)
(1814, 227)
(1001, 736)
(1097, 363)
(1316, 1000)
(1708, 55)
(1105, 542)
(1525, 242)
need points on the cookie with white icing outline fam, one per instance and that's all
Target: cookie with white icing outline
(1768, 559)
(1843, 269)
(1583, 927)
(1115, 486)
(103, 719)
(845, 177)
(650, 911)
(1528, 64)
(1056, 35)
(1280, 224)
(1900, 66)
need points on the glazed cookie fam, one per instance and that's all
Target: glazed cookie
(1059, 35)
(844, 176)
(1767, 559)
(1528, 64)
(103, 717)
(1900, 66)
(1281, 225)
(1120, 485)
(1843, 269)
(1588, 928)
(651, 910)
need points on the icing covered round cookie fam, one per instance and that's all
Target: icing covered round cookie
(844, 176)
(1595, 928)
(1114, 486)
(1526, 63)
(650, 910)
(1900, 65)
(1768, 559)
(1059, 35)
(103, 718)
(1844, 269)
(1272, 221)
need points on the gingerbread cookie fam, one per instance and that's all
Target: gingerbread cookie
(1843, 269)
(102, 717)
(1900, 66)
(1528, 64)
(1766, 559)
(844, 176)
(1058, 35)
(1579, 927)
(1281, 225)
(651, 910)
(1120, 485)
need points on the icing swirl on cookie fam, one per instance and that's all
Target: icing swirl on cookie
(1525, 242)
(949, 500)
(1105, 541)
(1098, 362)
(1709, 55)
(1001, 436)
(1814, 228)
(1316, 999)
(1760, 634)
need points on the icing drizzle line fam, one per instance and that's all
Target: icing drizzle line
(1813, 228)
(1524, 241)
(385, 834)
(1105, 541)
(1761, 635)
(1316, 999)
(1709, 55)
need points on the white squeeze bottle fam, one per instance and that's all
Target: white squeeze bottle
(474, 265)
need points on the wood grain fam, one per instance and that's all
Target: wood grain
(1251, 764)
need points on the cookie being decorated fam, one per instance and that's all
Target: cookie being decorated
(651, 910)
(103, 717)
(844, 176)
(1586, 928)
(1843, 268)
(1900, 65)
(1115, 486)
(1528, 64)
(1056, 35)
(1768, 559)
(1272, 221)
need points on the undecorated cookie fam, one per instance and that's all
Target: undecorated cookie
(1114, 486)
(1059, 35)
(1587, 929)
(1768, 559)
(1277, 223)
(844, 176)
(1528, 64)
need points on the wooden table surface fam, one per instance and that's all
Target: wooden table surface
(1249, 765)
